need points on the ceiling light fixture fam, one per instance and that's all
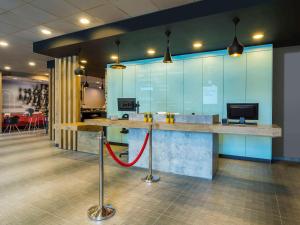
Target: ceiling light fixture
(118, 65)
(7, 67)
(3, 44)
(236, 48)
(167, 56)
(83, 61)
(197, 45)
(114, 57)
(84, 21)
(151, 51)
(46, 31)
(31, 63)
(258, 36)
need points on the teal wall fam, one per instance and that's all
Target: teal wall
(201, 83)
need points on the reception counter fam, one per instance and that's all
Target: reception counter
(187, 147)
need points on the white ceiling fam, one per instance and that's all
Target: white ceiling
(21, 22)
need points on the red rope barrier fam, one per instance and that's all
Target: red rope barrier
(121, 163)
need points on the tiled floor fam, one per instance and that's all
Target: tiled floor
(42, 185)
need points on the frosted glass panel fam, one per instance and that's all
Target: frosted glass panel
(192, 86)
(175, 87)
(213, 85)
(129, 82)
(143, 87)
(259, 83)
(115, 87)
(259, 147)
(233, 145)
(234, 92)
(259, 89)
(234, 81)
(159, 87)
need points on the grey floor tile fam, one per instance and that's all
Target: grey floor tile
(43, 185)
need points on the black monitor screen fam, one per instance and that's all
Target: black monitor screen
(249, 111)
(126, 104)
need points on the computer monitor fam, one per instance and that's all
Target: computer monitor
(242, 111)
(127, 104)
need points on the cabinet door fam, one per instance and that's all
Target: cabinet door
(192, 86)
(114, 91)
(175, 87)
(259, 90)
(234, 92)
(159, 87)
(213, 85)
(143, 87)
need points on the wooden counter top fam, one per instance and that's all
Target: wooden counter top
(257, 130)
(78, 126)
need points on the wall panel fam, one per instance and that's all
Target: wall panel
(202, 83)
(192, 81)
(213, 85)
(174, 85)
(1, 102)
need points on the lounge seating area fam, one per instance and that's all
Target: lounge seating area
(17, 122)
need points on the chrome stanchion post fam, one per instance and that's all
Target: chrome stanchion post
(150, 178)
(101, 211)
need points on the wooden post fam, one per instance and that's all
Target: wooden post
(1, 102)
(65, 101)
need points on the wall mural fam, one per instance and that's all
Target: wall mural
(18, 96)
(36, 97)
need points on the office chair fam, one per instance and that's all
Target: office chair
(124, 131)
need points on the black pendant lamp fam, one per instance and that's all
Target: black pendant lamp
(236, 48)
(86, 84)
(118, 65)
(168, 57)
(80, 70)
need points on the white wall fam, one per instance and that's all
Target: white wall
(286, 101)
(93, 98)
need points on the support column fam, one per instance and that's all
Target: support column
(64, 101)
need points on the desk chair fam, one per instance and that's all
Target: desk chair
(124, 131)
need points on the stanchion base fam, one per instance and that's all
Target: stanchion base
(151, 178)
(97, 213)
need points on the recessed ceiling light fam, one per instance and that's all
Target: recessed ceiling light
(3, 44)
(83, 61)
(151, 51)
(97, 82)
(197, 44)
(7, 67)
(82, 67)
(46, 31)
(46, 74)
(258, 36)
(31, 63)
(84, 21)
(114, 57)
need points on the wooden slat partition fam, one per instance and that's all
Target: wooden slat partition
(1, 102)
(64, 101)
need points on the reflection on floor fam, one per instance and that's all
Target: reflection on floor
(41, 185)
